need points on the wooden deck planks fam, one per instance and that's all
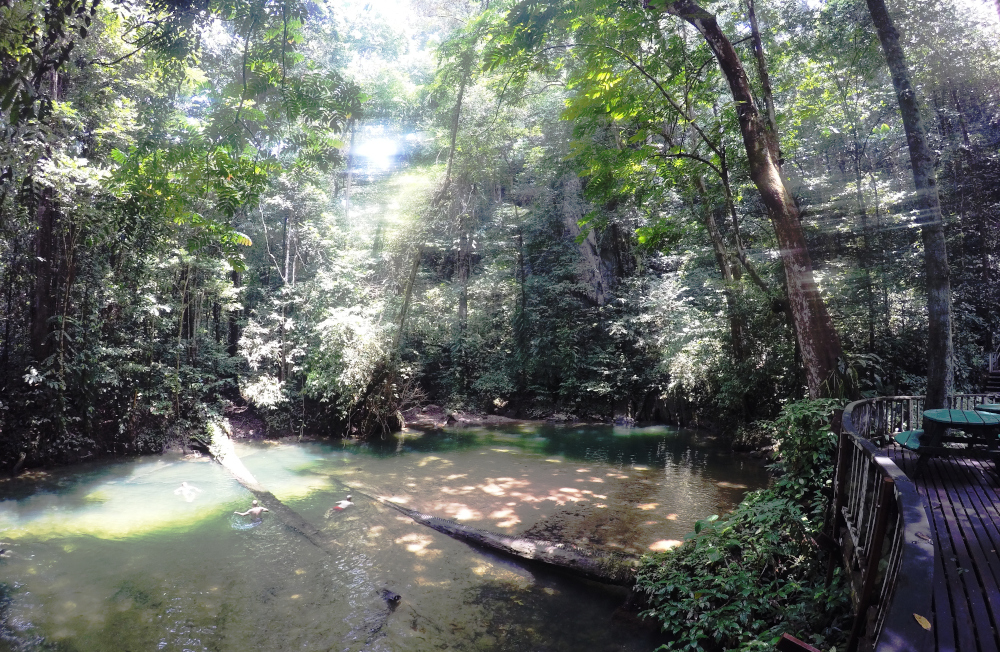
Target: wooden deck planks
(944, 622)
(968, 607)
(981, 586)
(967, 479)
(964, 496)
(980, 499)
(943, 618)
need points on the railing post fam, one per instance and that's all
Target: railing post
(874, 551)
(839, 475)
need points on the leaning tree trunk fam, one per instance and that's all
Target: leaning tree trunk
(940, 353)
(353, 125)
(818, 340)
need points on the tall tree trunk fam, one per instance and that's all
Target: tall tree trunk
(234, 328)
(8, 316)
(521, 310)
(464, 272)
(736, 325)
(592, 269)
(741, 254)
(183, 283)
(864, 257)
(765, 79)
(189, 309)
(940, 353)
(455, 120)
(69, 273)
(285, 278)
(976, 228)
(817, 338)
(43, 300)
(960, 110)
(466, 222)
(216, 318)
(406, 300)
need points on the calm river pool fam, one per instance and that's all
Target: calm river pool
(116, 556)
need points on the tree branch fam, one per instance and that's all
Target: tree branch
(676, 107)
(693, 157)
(246, 50)
(108, 64)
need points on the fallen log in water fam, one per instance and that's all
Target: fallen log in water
(221, 450)
(617, 569)
(606, 568)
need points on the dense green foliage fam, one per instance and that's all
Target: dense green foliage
(741, 581)
(331, 212)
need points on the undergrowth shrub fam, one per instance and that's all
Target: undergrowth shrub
(741, 581)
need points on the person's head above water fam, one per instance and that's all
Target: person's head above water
(254, 503)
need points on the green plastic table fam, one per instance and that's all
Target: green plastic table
(962, 419)
(981, 429)
(989, 407)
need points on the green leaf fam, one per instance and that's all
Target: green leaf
(8, 99)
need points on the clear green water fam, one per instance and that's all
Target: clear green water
(113, 557)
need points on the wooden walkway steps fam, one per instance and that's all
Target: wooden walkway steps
(964, 498)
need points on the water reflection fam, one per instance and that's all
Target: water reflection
(116, 556)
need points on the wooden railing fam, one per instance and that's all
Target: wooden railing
(882, 527)
(876, 419)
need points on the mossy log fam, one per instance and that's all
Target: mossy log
(617, 569)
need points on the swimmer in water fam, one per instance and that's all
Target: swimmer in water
(187, 491)
(340, 506)
(255, 511)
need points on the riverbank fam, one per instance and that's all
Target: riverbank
(432, 416)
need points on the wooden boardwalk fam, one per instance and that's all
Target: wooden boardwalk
(964, 499)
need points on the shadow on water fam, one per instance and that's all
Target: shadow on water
(443, 441)
(598, 443)
(65, 483)
(534, 620)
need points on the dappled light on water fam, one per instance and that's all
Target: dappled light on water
(125, 556)
(637, 489)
